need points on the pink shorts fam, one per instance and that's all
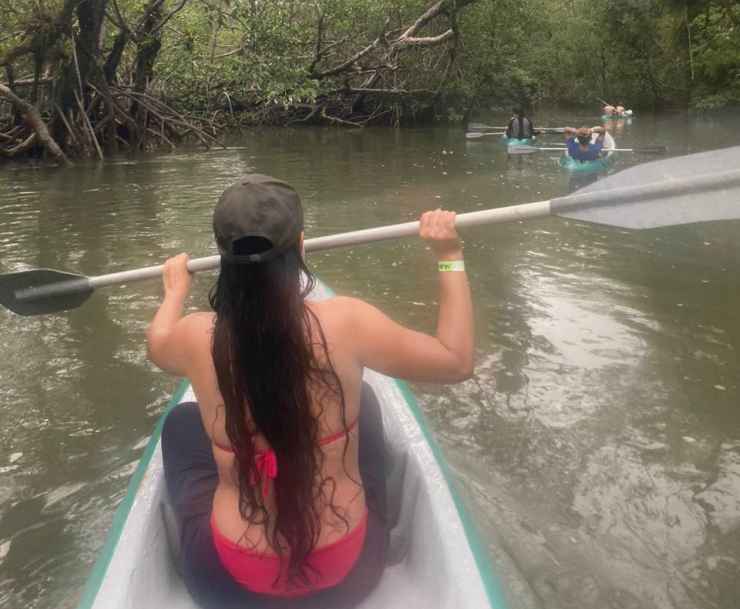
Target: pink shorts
(261, 573)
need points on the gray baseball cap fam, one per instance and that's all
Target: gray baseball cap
(257, 206)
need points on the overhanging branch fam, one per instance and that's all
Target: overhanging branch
(33, 119)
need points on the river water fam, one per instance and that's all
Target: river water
(598, 445)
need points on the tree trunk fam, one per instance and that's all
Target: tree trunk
(33, 119)
(114, 57)
(147, 51)
(83, 68)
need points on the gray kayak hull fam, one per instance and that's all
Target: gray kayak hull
(436, 559)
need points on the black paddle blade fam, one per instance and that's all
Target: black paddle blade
(702, 187)
(42, 291)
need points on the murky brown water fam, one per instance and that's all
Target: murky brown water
(598, 445)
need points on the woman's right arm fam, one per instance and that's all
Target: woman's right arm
(393, 349)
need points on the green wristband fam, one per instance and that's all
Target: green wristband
(451, 265)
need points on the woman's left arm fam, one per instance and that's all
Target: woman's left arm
(168, 333)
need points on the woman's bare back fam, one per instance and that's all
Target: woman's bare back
(342, 504)
(357, 335)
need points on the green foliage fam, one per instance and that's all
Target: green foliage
(257, 49)
(496, 63)
(716, 57)
(647, 53)
(224, 55)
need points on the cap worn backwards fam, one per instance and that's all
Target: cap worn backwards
(257, 218)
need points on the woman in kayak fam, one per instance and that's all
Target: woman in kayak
(581, 145)
(264, 473)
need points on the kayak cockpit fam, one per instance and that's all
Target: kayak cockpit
(434, 558)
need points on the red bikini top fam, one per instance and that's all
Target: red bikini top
(266, 461)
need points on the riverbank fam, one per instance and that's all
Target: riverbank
(88, 80)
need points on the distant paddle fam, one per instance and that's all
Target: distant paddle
(699, 187)
(527, 149)
(474, 135)
(483, 127)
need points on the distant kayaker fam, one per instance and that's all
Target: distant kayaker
(520, 127)
(264, 472)
(581, 144)
(609, 110)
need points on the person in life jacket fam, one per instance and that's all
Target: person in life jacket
(582, 146)
(520, 127)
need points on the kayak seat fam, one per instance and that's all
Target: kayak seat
(400, 512)
(172, 532)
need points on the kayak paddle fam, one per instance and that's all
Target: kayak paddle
(699, 187)
(527, 149)
(482, 127)
(472, 135)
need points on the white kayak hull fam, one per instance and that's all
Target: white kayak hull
(436, 559)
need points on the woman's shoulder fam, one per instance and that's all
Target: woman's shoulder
(339, 305)
(196, 325)
(336, 308)
(199, 319)
(341, 313)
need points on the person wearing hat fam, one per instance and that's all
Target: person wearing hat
(581, 145)
(263, 472)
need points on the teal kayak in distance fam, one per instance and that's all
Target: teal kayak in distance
(436, 558)
(570, 164)
(513, 141)
(617, 117)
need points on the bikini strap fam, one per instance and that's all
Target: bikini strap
(323, 441)
(336, 436)
(267, 469)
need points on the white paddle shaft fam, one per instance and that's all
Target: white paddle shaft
(499, 215)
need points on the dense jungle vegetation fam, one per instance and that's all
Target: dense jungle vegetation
(90, 77)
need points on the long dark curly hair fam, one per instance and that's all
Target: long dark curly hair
(267, 368)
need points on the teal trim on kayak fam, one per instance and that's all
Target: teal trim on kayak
(569, 163)
(513, 141)
(613, 117)
(92, 586)
(491, 583)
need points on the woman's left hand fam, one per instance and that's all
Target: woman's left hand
(176, 277)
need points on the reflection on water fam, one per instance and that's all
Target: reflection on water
(598, 445)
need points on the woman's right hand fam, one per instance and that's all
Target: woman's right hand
(176, 277)
(389, 347)
(438, 229)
